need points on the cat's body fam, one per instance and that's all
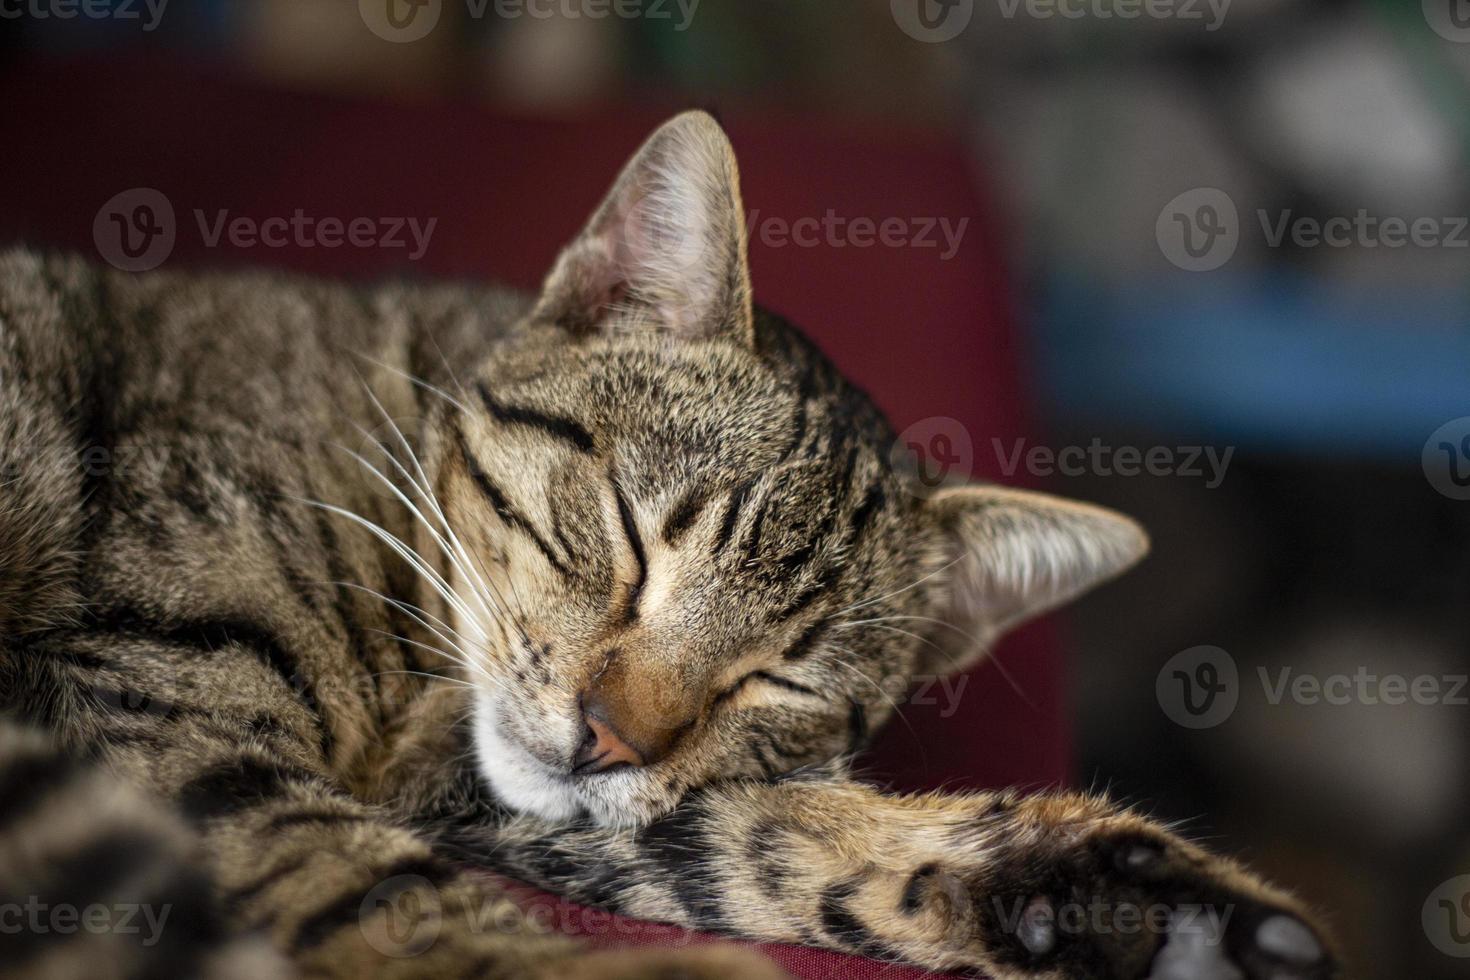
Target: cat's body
(347, 583)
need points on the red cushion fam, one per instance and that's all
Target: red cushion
(928, 335)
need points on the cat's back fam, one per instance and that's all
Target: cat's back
(135, 393)
(199, 346)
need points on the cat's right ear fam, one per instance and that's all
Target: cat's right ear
(1013, 555)
(666, 249)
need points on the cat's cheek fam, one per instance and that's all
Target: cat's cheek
(518, 779)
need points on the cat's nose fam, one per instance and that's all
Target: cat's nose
(614, 736)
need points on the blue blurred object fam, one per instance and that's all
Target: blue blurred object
(201, 26)
(1284, 363)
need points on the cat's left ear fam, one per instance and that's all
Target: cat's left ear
(1013, 555)
(667, 245)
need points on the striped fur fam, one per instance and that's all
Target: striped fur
(305, 589)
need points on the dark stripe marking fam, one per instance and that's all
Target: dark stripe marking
(857, 725)
(787, 684)
(346, 909)
(212, 635)
(237, 898)
(561, 427)
(732, 514)
(240, 784)
(841, 924)
(809, 595)
(872, 501)
(913, 892)
(798, 426)
(684, 514)
(803, 644)
(680, 846)
(24, 780)
(509, 514)
(753, 540)
(635, 541)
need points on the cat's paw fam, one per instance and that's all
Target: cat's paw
(1133, 906)
(717, 961)
(1116, 899)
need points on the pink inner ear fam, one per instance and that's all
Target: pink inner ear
(631, 235)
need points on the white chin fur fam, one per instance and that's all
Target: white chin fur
(520, 781)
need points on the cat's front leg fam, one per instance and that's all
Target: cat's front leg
(1040, 887)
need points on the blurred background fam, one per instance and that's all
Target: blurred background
(1235, 238)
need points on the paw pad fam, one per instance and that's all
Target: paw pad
(1287, 939)
(1194, 952)
(1037, 929)
(1137, 857)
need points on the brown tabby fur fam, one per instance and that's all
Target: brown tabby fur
(217, 602)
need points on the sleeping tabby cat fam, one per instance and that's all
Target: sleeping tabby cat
(313, 596)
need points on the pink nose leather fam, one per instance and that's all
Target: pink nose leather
(604, 749)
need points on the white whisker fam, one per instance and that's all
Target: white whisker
(406, 609)
(432, 677)
(439, 539)
(467, 665)
(413, 380)
(424, 489)
(481, 582)
(404, 551)
(888, 595)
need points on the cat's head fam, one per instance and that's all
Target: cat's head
(696, 560)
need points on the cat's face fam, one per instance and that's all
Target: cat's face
(694, 560)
